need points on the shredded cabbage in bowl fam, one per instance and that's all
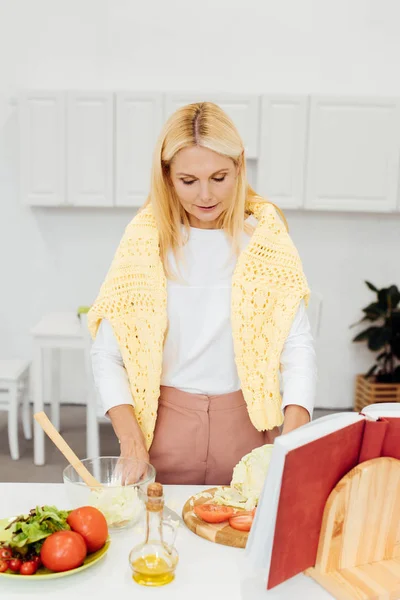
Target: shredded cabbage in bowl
(120, 505)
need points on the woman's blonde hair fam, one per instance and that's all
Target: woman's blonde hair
(206, 125)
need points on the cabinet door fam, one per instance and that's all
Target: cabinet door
(139, 119)
(90, 148)
(280, 170)
(242, 108)
(353, 157)
(42, 148)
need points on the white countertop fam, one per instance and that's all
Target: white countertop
(205, 570)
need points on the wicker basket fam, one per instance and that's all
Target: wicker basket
(369, 392)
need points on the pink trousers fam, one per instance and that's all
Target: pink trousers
(199, 439)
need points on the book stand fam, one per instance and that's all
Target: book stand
(359, 546)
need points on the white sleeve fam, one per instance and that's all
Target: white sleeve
(298, 364)
(109, 373)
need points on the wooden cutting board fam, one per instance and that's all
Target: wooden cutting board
(220, 533)
(359, 545)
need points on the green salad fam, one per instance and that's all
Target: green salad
(29, 532)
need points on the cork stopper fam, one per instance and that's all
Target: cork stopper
(155, 490)
(155, 498)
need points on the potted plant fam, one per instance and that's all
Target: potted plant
(382, 381)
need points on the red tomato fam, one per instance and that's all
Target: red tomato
(213, 513)
(36, 559)
(241, 522)
(63, 550)
(91, 524)
(3, 565)
(5, 553)
(15, 564)
(28, 568)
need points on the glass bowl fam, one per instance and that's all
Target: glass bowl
(122, 504)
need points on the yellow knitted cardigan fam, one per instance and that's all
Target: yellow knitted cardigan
(267, 286)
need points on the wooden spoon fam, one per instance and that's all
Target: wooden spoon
(66, 450)
(73, 460)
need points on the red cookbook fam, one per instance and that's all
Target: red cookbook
(305, 467)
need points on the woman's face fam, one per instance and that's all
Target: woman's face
(205, 183)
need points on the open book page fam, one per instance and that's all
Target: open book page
(382, 431)
(382, 409)
(260, 542)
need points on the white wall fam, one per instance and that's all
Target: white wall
(54, 259)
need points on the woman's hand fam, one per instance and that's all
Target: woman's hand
(132, 447)
(131, 440)
(295, 416)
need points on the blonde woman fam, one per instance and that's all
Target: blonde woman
(203, 305)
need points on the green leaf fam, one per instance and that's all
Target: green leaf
(371, 286)
(383, 298)
(394, 294)
(39, 524)
(19, 540)
(371, 371)
(372, 317)
(52, 513)
(35, 531)
(37, 547)
(379, 338)
(366, 334)
(363, 320)
(374, 309)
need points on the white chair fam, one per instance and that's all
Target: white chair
(94, 413)
(14, 390)
(54, 332)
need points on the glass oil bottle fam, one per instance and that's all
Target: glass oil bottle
(154, 561)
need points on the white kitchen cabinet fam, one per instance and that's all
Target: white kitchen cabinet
(139, 118)
(242, 108)
(280, 169)
(353, 154)
(90, 149)
(42, 148)
(95, 149)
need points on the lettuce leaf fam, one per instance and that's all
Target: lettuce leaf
(36, 527)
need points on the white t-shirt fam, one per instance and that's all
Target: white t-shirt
(198, 352)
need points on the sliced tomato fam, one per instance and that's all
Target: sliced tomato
(241, 522)
(213, 513)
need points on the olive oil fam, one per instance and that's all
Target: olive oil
(152, 570)
(153, 562)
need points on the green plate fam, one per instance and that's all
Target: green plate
(44, 573)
